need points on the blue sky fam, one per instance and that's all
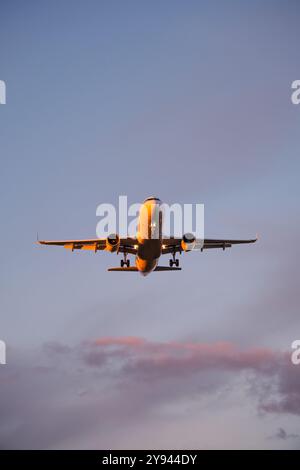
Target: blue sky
(189, 101)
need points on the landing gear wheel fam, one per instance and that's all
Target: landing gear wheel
(125, 261)
(173, 261)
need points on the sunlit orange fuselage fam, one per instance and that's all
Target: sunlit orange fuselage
(149, 235)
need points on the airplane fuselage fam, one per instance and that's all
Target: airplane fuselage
(149, 235)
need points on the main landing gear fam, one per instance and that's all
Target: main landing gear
(125, 261)
(174, 261)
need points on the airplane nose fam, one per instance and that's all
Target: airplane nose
(143, 273)
(153, 199)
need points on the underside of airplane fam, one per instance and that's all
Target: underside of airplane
(148, 245)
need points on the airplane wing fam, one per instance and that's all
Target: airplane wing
(173, 245)
(128, 245)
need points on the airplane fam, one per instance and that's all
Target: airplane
(149, 243)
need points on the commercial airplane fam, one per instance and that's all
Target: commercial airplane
(149, 243)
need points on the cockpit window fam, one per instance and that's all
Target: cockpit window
(152, 199)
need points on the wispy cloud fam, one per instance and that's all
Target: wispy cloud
(105, 385)
(283, 435)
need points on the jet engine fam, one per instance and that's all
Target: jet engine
(112, 242)
(188, 242)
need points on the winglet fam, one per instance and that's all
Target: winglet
(37, 239)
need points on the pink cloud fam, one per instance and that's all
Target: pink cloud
(140, 360)
(119, 341)
(201, 355)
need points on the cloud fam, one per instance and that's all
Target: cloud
(56, 347)
(93, 394)
(137, 359)
(283, 435)
(123, 341)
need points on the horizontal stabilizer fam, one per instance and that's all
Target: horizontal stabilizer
(135, 269)
(131, 268)
(166, 268)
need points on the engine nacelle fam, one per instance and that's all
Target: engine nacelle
(112, 242)
(188, 242)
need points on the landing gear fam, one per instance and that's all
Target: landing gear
(125, 261)
(174, 261)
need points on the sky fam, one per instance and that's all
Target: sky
(190, 102)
